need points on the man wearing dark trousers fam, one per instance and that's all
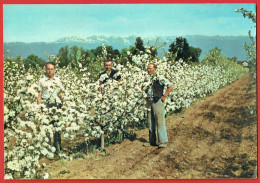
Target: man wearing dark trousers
(50, 94)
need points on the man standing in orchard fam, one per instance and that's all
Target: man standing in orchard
(50, 94)
(155, 106)
(109, 73)
(113, 74)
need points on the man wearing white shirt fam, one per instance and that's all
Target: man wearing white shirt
(50, 93)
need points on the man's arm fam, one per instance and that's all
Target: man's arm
(39, 98)
(169, 89)
(118, 77)
(60, 91)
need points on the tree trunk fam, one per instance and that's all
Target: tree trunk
(102, 141)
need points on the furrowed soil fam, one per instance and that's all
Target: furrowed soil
(216, 137)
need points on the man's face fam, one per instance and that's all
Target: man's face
(108, 66)
(151, 69)
(50, 70)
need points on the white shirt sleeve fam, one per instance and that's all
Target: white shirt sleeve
(164, 81)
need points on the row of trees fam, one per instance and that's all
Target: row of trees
(87, 115)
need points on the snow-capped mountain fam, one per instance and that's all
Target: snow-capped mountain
(105, 39)
(70, 39)
(231, 46)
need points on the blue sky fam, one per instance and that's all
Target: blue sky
(47, 23)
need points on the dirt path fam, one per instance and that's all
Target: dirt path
(216, 137)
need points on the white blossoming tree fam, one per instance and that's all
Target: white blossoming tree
(250, 48)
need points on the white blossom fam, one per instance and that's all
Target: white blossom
(46, 176)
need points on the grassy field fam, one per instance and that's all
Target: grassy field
(216, 137)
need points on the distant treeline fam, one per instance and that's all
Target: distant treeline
(91, 58)
(68, 54)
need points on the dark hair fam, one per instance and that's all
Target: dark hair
(52, 63)
(108, 61)
(154, 65)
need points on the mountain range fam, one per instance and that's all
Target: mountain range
(231, 46)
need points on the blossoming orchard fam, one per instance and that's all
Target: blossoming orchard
(92, 113)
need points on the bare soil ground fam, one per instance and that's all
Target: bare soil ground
(216, 137)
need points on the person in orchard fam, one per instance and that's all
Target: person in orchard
(113, 74)
(155, 104)
(50, 94)
(109, 72)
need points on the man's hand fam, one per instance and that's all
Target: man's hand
(167, 93)
(163, 98)
(60, 96)
(39, 97)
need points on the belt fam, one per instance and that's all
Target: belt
(154, 99)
